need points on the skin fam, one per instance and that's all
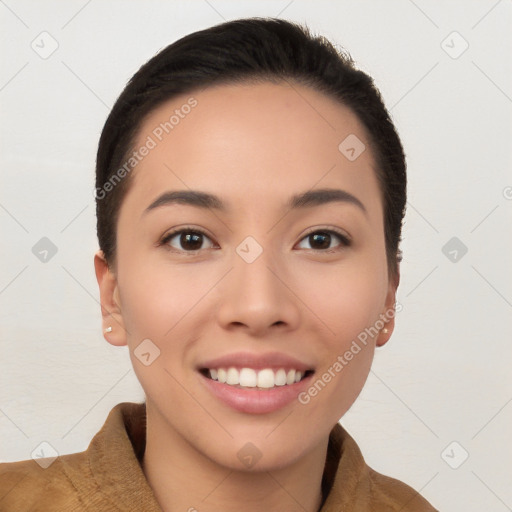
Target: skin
(254, 146)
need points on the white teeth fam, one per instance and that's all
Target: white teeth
(280, 378)
(233, 377)
(249, 378)
(266, 378)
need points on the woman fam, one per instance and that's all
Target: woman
(250, 192)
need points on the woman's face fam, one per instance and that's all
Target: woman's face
(266, 285)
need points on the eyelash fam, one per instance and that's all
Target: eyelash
(344, 239)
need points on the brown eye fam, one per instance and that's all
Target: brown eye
(321, 240)
(185, 240)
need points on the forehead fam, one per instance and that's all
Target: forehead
(252, 141)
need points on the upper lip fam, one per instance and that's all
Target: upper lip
(274, 360)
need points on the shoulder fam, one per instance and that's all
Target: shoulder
(357, 486)
(105, 477)
(393, 495)
(46, 484)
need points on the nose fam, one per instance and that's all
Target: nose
(256, 297)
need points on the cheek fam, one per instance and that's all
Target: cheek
(335, 386)
(349, 306)
(164, 303)
(347, 299)
(157, 296)
(155, 305)
(349, 310)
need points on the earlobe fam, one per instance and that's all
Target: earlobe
(389, 313)
(385, 334)
(112, 319)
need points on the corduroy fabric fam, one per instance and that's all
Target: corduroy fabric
(108, 477)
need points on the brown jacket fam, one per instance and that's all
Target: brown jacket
(108, 476)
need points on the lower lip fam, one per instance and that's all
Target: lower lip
(256, 401)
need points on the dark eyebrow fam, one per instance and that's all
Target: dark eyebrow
(205, 200)
(321, 196)
(189, 197)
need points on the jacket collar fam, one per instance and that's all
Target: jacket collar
(115, 455)
(116, 451)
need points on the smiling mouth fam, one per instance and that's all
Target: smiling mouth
(266, 378)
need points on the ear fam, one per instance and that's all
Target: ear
(110, 304)
(389, 313)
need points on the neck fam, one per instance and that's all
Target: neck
(184, 479)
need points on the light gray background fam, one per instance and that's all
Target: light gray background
(443, 377)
